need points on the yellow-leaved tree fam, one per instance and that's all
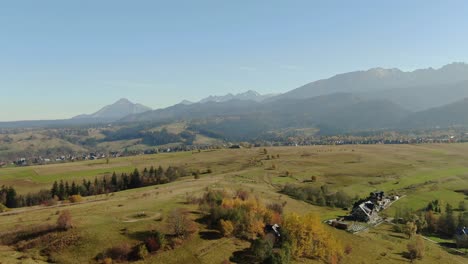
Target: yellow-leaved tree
(309, 238)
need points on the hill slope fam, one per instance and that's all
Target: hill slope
(454, 114)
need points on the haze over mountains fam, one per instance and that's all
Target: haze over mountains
(417, 90)
(374, 99)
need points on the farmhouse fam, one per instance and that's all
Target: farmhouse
(274, 229)
(367, 210)
(461, 237)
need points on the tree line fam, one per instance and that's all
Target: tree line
(436, 218)
(63, 190)
(320, 196)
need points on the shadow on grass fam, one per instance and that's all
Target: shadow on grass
(243, 256)
(448, 245)
(210, 235)
(140, 235)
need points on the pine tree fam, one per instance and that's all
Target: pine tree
(67, 190)
(11, 198)
(61, 192)
(135, 180)
(55, 189)
(74, 189)
(159, 174)
(114, 180)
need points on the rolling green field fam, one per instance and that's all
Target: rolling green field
(421, 172)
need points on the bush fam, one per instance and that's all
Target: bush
(76, 198)
(156, 242)
(141, 252)
(276, 207)
(416, 248)
(180, 223)
(243, 195)
(119, 253)
(262, 249)
(226, 227)
(3, 208)
(283, 256)
(64, 221)
(176, 242)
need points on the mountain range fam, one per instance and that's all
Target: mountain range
(250, 95)
(377, 98)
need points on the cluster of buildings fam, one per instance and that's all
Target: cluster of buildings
(367, 210)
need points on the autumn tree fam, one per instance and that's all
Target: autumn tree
(180, 223)
(410, 229)
(431, 221)
(64, 221)
(416, 248)
(308, 238)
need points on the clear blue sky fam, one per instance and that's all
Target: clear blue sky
(63, 58)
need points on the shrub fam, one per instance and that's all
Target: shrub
(141, 252)
(283, 256)
(416, 248)
(180, 223)
(242, 194)
(156, 242)
(3, 208)
(410, 229)
(276, 207)
(76, 198)
(176, 242)
(119, 253)
(262, 249)
(64, 221)
(151, 244)
(50, 202)
(226, 228)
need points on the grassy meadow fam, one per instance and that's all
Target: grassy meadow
(421, 172)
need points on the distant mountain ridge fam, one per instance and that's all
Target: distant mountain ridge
(394, 83)
(246, 96)
(375, 99)
(117, 110)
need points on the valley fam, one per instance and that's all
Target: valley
(423, 173)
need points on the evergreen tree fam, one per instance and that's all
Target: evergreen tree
(135, 180)
(67, 190)
(55, 189)
(114, 180)
(11, 198)
(159, 174)
(74, 189)
(61, 191)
